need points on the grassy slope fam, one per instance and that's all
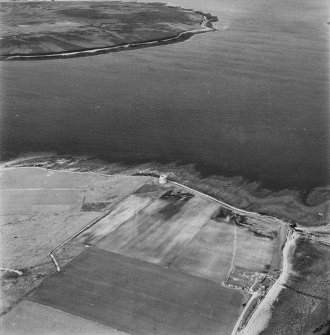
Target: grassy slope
(302, 308)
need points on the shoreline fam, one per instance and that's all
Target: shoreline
(206, 25)
(234, 191)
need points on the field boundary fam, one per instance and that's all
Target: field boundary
(93, 222)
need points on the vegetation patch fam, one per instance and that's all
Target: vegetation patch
(302, 306)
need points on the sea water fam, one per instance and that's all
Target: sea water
(249, 99)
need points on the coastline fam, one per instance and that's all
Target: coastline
(206, 26)
(234, 191)
(251, 318)
(293, 301)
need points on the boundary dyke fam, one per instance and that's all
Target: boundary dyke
(206, 25)
(93, 222)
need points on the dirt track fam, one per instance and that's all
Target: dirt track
(262, 314)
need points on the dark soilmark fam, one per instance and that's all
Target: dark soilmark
(222, 213)
(8, 275)
(325, 328)
(174, 196)
(171, 210)
(261, 234)
(240, 220)
(94, 206)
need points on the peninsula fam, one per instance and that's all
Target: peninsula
(34, 30)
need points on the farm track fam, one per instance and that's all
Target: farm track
(259, 317)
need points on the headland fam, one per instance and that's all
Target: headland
(47, 30)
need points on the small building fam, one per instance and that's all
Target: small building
(163, 179)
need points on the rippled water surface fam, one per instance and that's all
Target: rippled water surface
(249, 99)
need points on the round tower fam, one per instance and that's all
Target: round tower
(163, 179)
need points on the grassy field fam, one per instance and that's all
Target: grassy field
(38, 28)
(139, 297)
(39, 210)
(185, 233)
(31, 318)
